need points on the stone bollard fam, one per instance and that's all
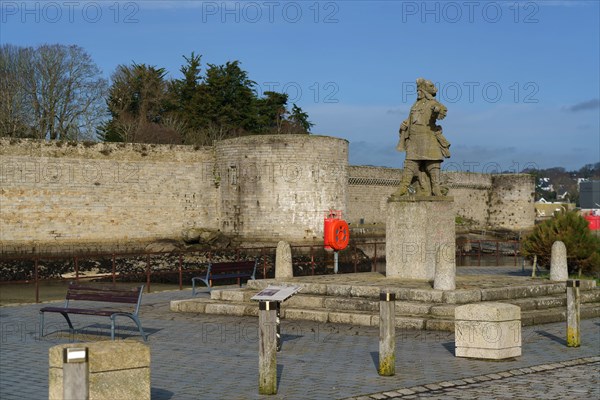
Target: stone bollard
(113, 370)
(558, 262)
(387, 334)
(445, 267)
(283, 261)
(488, 330)
(573, 314)
(267, 347)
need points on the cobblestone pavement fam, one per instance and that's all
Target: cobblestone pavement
(198, 356)
(575, 379)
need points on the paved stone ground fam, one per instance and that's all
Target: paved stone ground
(575, 379)
(198, 356)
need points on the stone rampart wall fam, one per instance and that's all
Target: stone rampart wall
(263, 188)
(491, 201)
(67, 192)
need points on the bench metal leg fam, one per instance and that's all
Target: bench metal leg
(41, 324)
(194, 284)
(64, 314)
(132, 317)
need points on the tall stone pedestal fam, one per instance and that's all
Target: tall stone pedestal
(420, 236)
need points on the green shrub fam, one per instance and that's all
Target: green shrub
(583, 248)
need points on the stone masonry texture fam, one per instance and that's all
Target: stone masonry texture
(267, 188)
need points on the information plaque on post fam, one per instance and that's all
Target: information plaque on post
(277, 294)
(270, 300)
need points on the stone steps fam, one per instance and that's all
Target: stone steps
(421, 294)
(419, 308)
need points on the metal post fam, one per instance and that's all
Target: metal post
(147, 274)
(75, 373)
(312, 260)
(76, 268)
(278, 333)
(573, 314)
(37, 281)
(335, 262)
(113, 268)
(267, 347)
(180, 272)
(497, 253)
(264, 257)
(387, 334)
(374, 269)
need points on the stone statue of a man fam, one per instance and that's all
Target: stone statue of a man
(423, 142)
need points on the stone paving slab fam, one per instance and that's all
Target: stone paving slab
(199, 356)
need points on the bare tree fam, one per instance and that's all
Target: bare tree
(56, 91)
(14, 120)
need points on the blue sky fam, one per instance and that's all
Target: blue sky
(521, 79)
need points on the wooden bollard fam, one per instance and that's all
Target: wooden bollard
(267, 347)
(573, 315)
(387, 334)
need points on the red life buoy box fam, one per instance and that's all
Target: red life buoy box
(593, 222)
(336, 231)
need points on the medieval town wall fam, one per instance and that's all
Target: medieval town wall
(262, 188)
(369, 188)
(56, 193)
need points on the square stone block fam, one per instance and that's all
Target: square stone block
(488, 331)
(116, 370)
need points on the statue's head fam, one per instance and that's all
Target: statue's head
(427, 87)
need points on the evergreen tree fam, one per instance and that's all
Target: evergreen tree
(299, 120)
(583, 248)
(195, 109)
(137, 102)
(272, 112)
(230, 99)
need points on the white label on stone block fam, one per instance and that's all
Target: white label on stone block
(76, 355)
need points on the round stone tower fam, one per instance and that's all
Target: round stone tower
(511, 204)
(274, 187)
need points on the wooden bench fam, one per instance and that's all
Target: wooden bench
(226, 270)
(106, 294)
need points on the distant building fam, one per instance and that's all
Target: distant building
(589, 195)
(545, 209)
(544, 184)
